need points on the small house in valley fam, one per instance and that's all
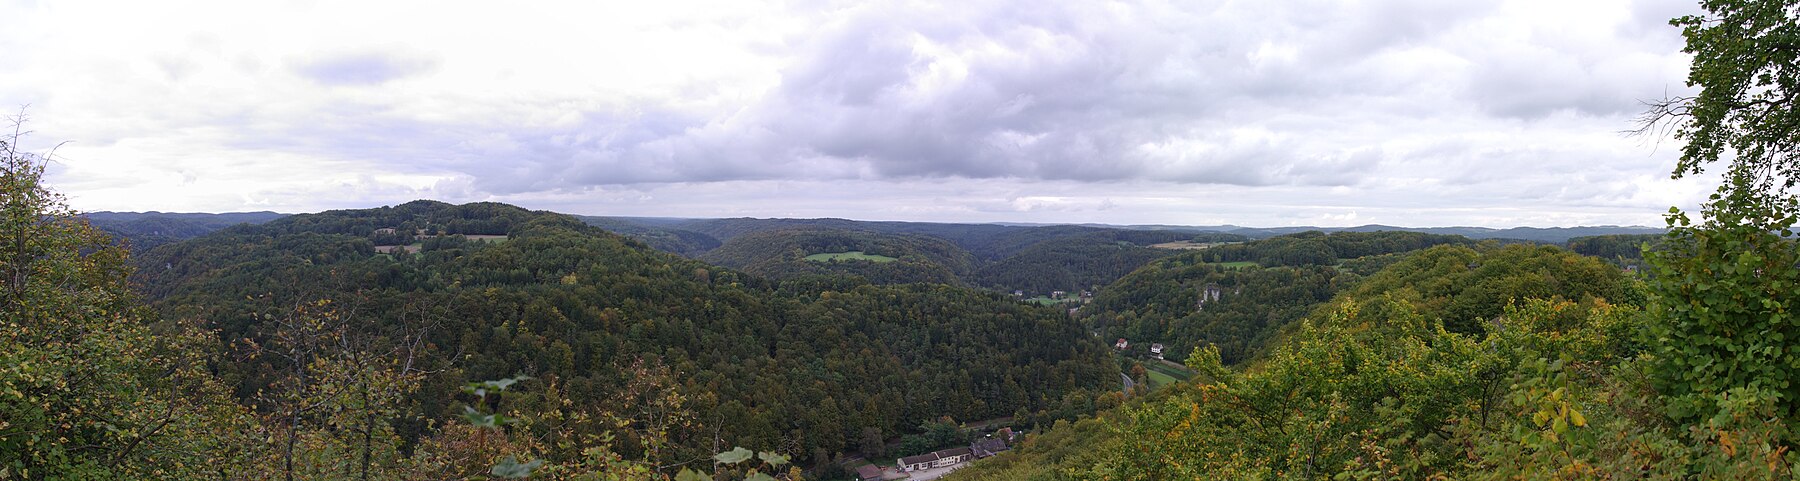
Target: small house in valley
(1156, 350)
(953, 456)
(868, 472)
(936, 459)
(988, 447)
(917, 463)
(1122, 344)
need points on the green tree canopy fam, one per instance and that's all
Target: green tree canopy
(1725, 284)
(86, 390)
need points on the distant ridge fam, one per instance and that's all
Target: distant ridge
(1555, 235)
(146, 230)
(257, 217)
(682, 234)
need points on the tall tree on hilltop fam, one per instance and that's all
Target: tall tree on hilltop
(1727, 284)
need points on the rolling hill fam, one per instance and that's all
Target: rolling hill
(586, 312)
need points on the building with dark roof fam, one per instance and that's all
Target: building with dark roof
(988, 447)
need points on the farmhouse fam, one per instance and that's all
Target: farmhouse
(988, 447)
(935, 459)
(915, 463)
(1156, 349)
(952, 456)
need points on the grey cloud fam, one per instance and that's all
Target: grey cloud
(1035, 91)
(363, 68)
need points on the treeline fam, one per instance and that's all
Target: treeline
(434, 218)
(679, 241)
(1318, 248)
(1621, 249)
(613, 327)
(145, 231)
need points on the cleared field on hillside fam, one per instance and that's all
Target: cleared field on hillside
(1189, 245)
(1043, 300)
(1158, 379)
(1168, 370)
(849, 256)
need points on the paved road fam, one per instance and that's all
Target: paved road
(930, 474)
(1128, 383)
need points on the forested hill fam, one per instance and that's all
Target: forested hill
(146, 230)
(988, 242)
(878, 258)
(655, 232)
(1036, 260)
(965, 235)
(1084, 261)
(594, 318)
(1546, 235)
(1455, 362)
(1238, 296)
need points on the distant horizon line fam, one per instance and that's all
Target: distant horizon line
(1212, 227)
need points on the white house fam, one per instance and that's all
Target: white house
(935, 459)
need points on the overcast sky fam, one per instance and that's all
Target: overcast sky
(1259, 113)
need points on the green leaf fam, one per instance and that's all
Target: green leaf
(759, 477)
(691, 475)
(511, 468)
(735, 455)
(477, 418)
(773, 459)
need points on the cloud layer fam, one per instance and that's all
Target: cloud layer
(1409, 112)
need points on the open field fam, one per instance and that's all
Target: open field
(1158, 379)
(1189, 245)
(1172, 372)
(849, 256)
(1047, 301)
